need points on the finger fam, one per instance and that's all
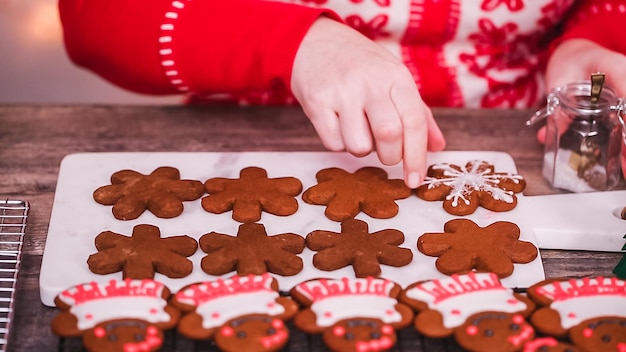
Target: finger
(386, 128)
(615, 68)
(436, 139)
(326, 124)
(355, 130)
(541, 135)
(414, 116)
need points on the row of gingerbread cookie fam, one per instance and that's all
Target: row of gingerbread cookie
(461, 188)
(462, 247)
(352, 314)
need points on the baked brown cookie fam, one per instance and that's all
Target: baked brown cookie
(252, 251)
(241, 313)
(549, 344)
(251, 194)
(116, 315)
(162, 192)
(346, 194)
(464, 246)
(494, 331)
(143, 254)
(355, 246)
(453, 303)
(575, 306)
(352, 314)
(463, 188)
(601, 334)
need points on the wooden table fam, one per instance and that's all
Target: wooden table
(34, 139)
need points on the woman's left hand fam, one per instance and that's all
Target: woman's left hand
(575, 60)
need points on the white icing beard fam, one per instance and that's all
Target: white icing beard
(456, 310)
(218, 311)
(330, 310)
(574, 311)
(93, 312)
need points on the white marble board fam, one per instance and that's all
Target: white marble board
(76, 218)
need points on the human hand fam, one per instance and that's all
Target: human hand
(575, 60)
(360, 98)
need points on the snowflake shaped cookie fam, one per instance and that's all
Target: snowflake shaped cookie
(464, 188)
(346, 194)
(251, 194)
(143, 254)
(355, 246)
(464, 246)
(252, 251)
(162, 192)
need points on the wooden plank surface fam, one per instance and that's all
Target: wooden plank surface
(34, 139)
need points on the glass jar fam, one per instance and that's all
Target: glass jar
(583, 139)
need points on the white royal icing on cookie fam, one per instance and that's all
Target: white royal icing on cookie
(334, 300)
(92, 303)
(221, 300)
(463, 182)
(459, 296)
(582, 299)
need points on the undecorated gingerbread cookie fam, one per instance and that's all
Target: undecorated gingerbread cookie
(162, 192)
(464, 188)
(251, 194)
(241, 313)
(116, 315)
(346, 194)
(355, 246)
(352, 314)
(143, 254)
(252, 251)
(464, 246)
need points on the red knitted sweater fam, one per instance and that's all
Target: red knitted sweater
(474, 53)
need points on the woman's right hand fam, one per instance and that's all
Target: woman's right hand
(360, 98)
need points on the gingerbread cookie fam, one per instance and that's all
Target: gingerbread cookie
(355, 246)
(251, 194)
(465, 246)
(117, 315)
(252, 251)
(143, 254)
(494, 331)
(352, 314)
(577, 304)
(549, 344)
(473, 307)
(162, 192)
(346, 194)
(601, 334)
(242, 313)
(463, 188)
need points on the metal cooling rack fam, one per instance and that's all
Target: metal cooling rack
(13, 215)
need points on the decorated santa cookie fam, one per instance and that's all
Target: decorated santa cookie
(241, 313)
(473, 307)
(116, 315)
(352, 314)
(549, 344)
(591, 311)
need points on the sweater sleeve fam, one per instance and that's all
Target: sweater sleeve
(601, 21)
(186, 46)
